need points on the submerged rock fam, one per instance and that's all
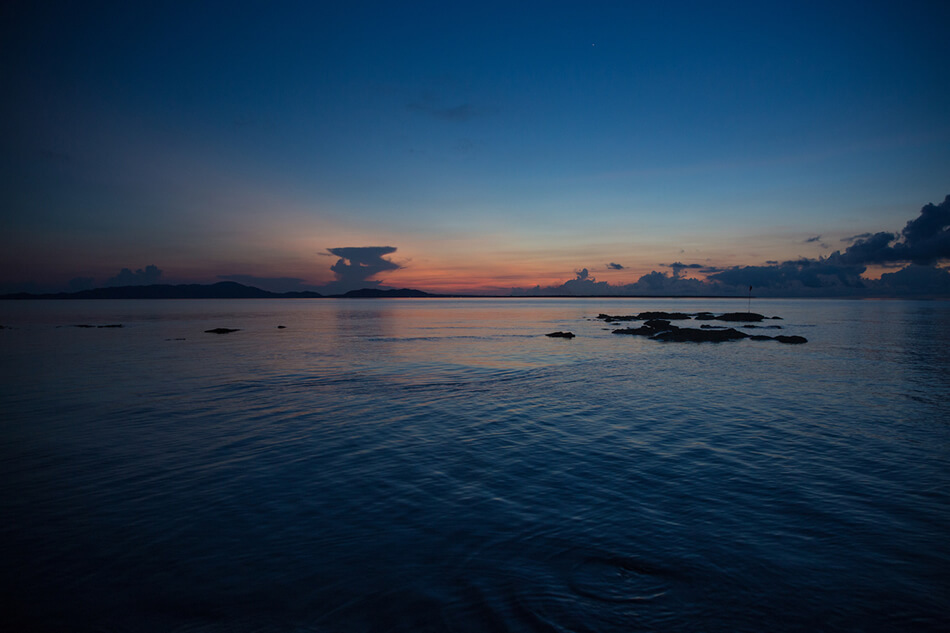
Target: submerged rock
(222, 330)
(561, 334)
(281, 327)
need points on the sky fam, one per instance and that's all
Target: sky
(485, 148)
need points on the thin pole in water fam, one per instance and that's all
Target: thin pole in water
(749, 309)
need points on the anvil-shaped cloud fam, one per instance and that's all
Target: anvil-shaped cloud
(357, 265)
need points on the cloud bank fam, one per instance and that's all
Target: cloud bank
(922, 246)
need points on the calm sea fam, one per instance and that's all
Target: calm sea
(441, 465)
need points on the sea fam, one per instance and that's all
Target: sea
(390, 465)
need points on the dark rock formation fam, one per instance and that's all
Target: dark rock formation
(694, 335)
(791, 340)
(668, 316)
(735, 317)
(636, 331)
(281, 327)
(561, 334)
(222, 330)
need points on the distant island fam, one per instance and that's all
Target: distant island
(220, 290)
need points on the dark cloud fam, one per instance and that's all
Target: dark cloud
(927, 237)
(794, 277)
(856, 237)
(614, 266)
(150, 275)
(678, 268)
(915, 279)
(356, 265)
(681, 265)
(273, 284)
(817, 238)
(925, 240)
(654, 283)
(875, 249)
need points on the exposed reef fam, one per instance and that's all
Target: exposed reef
(561, 334)
(222, 330)
(657, 326)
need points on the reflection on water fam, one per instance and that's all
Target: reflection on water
(440, 465)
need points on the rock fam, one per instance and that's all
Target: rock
(221, 330)
(668, 316)
(110, 325)
(791, 340)
(613, 317)
(561, 334)
(739, 316)
(658, 324)
(636, 331)
(281, 327)
(694, 335)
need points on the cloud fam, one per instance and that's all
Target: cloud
(150, 275)
(817, 238)
(925, 240)
(614, 266)
(795, 277)
(357, 265)
(856, 237)
(679, 267)
(654, 283)
(915, 279)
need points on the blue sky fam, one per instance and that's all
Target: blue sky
(492, 145)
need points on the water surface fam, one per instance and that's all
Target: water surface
(440, 465)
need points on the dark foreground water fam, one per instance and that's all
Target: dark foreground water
(440, 465)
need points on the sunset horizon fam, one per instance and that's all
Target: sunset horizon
(493, 155)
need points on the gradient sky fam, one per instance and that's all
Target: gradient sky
(493, 145)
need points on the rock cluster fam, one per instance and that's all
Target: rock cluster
(657, 326)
